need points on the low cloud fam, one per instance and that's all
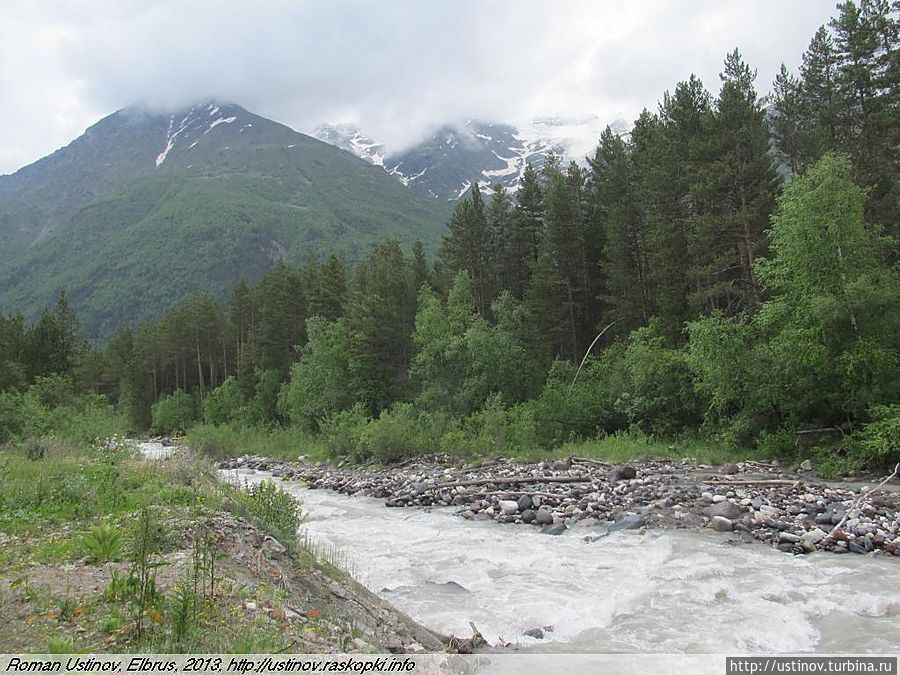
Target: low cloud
(397, 69)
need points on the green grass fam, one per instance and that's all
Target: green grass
(73, 487)
(632, 446)
(277, 443)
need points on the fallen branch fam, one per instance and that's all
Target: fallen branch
(773, 481)
(594, 462)
(507, 493)
(514, 480)
(468, 645)
(855, 506)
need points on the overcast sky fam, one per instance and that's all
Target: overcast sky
(394, 67)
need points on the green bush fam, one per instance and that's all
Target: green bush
(563, 413)
(497, 430)
(321, 382)
(263, 409)
(342, 432)
(22, 415)
(174, 413)
(393, 436)
(103, 543)
(233, 440)
(780, 442)
(877, 444)
(224, 403)
(272, 509)
(661, 397)
(78, 419)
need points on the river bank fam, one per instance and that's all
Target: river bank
(105, 551)
(792, 510)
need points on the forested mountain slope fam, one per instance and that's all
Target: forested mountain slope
(146, 208)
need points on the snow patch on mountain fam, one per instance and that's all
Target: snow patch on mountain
(170, 136)
(446, 163)
(221, 120)
(194, 125)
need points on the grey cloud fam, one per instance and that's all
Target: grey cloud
(395, 68)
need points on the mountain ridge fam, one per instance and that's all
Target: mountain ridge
(154, 206)
(444, 164)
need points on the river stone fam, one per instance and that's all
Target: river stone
(544, 516)
(856, 547)
(629, 522)
(556, 530)
(726, 509)
(770, 511)
(728, 468)
(721, 524)
(788, 538)
(813, 536)
(524, 502)
(536, 633)
(806, 465)
(621, 473)
(508, 507)
(527, 516)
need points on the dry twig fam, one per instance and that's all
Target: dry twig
(855, 506)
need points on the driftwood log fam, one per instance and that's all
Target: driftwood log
(514, 480)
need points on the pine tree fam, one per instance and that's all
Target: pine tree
(819, 97)
(421, 273)
(280, 318)
(506, 256)
(737, 185)
(241, 312)
(381, 316)
(467, 246)
(53, 343)
(330, 291)
(614, 208)
(787, 121)
(526, 227)
(561, 283)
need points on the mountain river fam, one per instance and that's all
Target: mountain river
(664, 592)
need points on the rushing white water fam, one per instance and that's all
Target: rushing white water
(155, 449)
(664, 592)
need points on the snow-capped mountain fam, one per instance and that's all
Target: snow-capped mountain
(148, 206)
(446, 163)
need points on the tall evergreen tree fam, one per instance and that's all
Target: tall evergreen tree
(738, 185)
(330, 289)
(467, 246)
(381, 317)
(624, 264)
(280, 318)
(787, 120)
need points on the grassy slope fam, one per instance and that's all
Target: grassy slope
(134, 254)
(223, 205)
(263, 599)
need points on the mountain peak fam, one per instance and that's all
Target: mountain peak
(454, 156)
(183, 200)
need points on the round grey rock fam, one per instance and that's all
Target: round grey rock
(721, 524)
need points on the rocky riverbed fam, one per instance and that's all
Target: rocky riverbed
(790, 509)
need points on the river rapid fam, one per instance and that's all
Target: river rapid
(662, 592)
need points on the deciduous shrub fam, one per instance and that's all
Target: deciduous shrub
(174, 413)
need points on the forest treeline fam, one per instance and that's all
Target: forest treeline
(737, 254)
